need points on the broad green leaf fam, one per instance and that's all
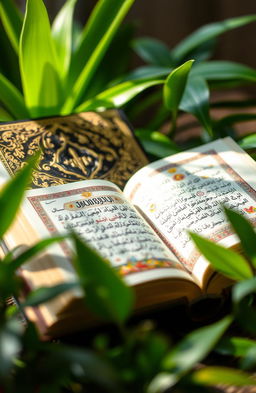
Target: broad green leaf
(12, 193)
(174, 88)
(222, 375)
(195, 100)
(207, 33)
(99, 31)
(235, 346)
(12, 21)
(242, 289)
(248, 142)
(204, 51)
(249, 361)
(232, 119)
(106, 293)
(106, 75)
(156, 143)
(5, 116)
(245, 232)
(12, 99)
(62, 29)
(223, 259)
(38, 62)
(153, 51)
(9, 65)
(147, 72)
(224, 70)
(118, 95)
(96, 27)
(195, 347)
(45, 294)
(162, 382)
(10, 345)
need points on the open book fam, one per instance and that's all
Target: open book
(141, 230)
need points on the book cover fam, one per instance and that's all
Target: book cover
(77, 147)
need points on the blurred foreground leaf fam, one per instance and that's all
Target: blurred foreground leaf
(187, 353)
(243, 307)
(223, 260)
(105, 292)
(245, 232)
(222, 375)
(10, 345)
(45, 294)
(12, 194)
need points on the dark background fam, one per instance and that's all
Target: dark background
(172, 20)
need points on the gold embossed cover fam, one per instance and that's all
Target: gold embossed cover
(88, 145)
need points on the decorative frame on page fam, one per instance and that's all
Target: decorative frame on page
(176, 173)
(100, 215)
(82, 146)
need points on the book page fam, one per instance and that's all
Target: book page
(185, 192)
(99, 213)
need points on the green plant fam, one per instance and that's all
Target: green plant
(53, 66)
(188, 89)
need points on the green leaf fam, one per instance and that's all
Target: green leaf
(242, 290)
(208, 32)
(5, 116)
(232, 119)
(153, 51)
(12, 21)
(195, 347)
(235, 346)
(248, 142)
(38, 62)
(12, 99)
(156, 143)
(62, 29)
(204, 51)
(223, 259)
(242, 302)
(148, 72)
(245, 232)
(222, 375)
(174, 88)
(106, 293)
(223, 70)
(45, 294)
(249, 361)
(118, 95)
(25, 256)
(99, 31)
(106, 75)
(12, 193)
(195, 100)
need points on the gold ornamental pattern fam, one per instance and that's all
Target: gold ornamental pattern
(82, 146)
